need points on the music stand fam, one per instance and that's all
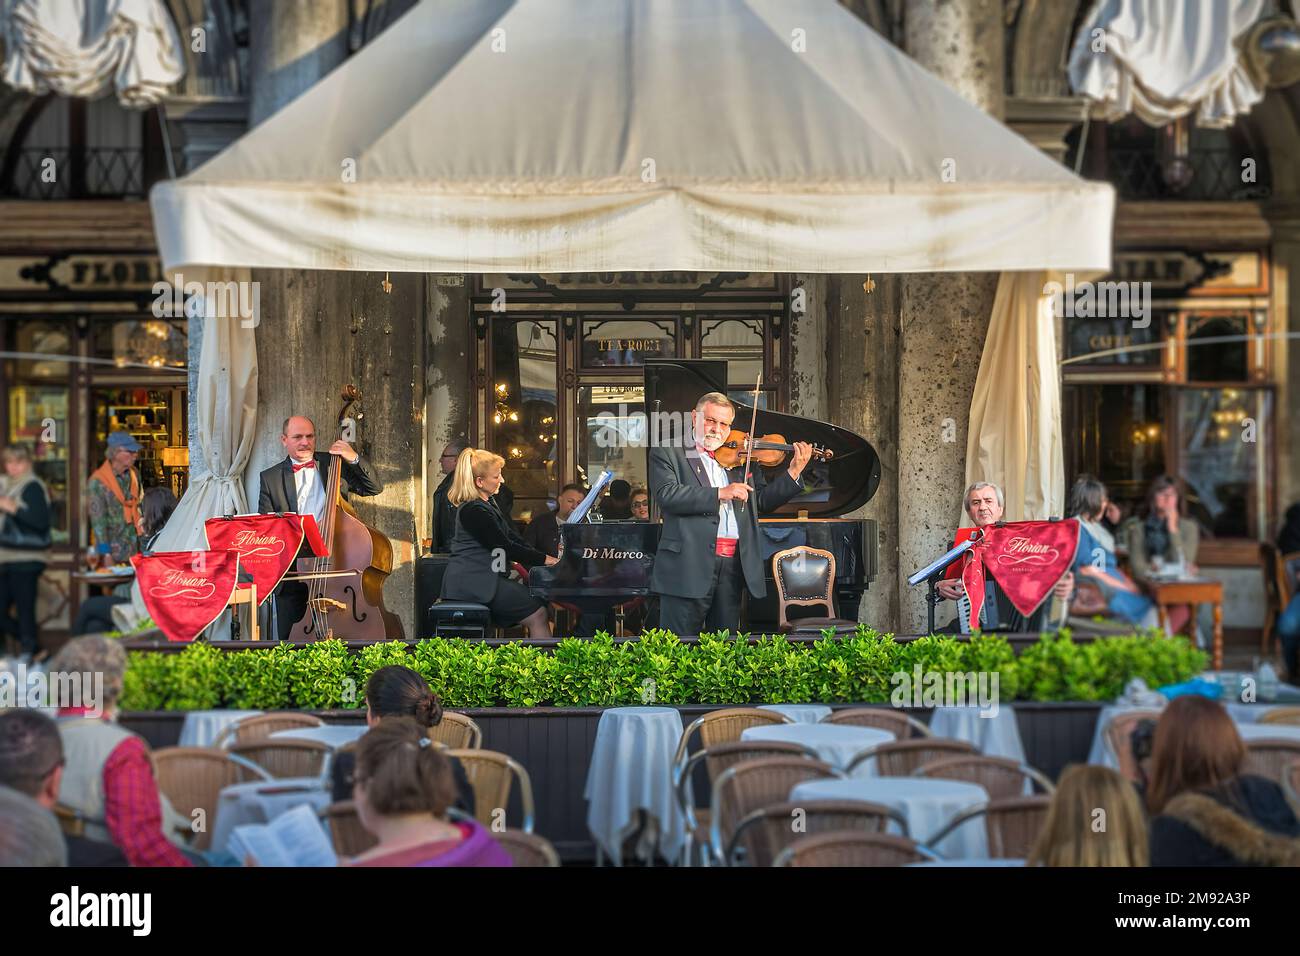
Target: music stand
(933, 572)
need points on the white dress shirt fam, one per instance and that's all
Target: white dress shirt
(311, 492)
(727, 527)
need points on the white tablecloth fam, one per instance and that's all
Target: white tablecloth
(994, 862)
(631, 770)
(927, 805)
(800, 713)
(1251, 732)
(332, 735)
(202, 727)
(837, 744)
(996, 736)
(1245, 716)
(259, 803)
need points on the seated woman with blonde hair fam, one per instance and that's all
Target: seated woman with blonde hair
(485, 543)
(403, 788)
(1096, 819)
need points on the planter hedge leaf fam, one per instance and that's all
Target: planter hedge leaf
(655, 669)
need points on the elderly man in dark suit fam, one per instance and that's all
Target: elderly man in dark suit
(709, 547)
(300, 484)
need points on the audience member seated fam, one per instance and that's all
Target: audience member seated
(617, 505)
(1076, 834)
(108, 777)
(1204, 812)
(640, 504)
(403, 789)
(543, 532)
(30, 835)
(1288, 623)
(31, 762)
(984, 506)
(1161, 539)
(397, 691)
(1095, 561)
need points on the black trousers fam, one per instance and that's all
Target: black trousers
(718, 609)
(18, 587)
(290, 606)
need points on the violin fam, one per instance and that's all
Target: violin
(768, 450)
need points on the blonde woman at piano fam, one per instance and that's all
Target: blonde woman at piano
(485, 545)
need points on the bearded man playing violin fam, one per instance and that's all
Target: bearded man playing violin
(709, 545)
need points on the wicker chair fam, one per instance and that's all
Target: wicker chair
(1001, 777)
(252, 729)
(1270, 757)
(491, 774)
(1012, 825)
(1291, 785)
(718, 760)
(347, 834)
(286, 758)
(1118, 734)
(527, 849)
(763, 834)
(192, 779)
(456, 731)
(852, 848)
(1289, 716)
(71, 821)
(725, 727)
(902, 726)
(902, 757)
(753, 784)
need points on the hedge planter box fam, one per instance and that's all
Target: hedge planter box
(555, 745)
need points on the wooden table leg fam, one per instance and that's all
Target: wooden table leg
(1218, 636)
(1164, 622)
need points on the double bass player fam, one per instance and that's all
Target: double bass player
(299, 484)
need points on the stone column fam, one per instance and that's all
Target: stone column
(943, 317)
(449, 396)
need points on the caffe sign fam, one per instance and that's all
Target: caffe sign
(80, 273)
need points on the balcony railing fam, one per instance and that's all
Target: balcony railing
(92, 173)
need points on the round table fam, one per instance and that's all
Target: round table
(837, 744)
(261, 802)
(800, 713)
(1251, 732)
(996, 735)
(630, 776)
(202, 727)
(1245, 716)
(927, 805)
(331, 735)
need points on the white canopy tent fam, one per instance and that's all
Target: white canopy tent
(563, 136)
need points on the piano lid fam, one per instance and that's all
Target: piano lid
(845, 483)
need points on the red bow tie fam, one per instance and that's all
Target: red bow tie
(305, 464)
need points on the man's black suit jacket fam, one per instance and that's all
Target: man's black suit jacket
(690, 508)
(277, 491)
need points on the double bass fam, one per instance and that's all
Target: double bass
(345, 588)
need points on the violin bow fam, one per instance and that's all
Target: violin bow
(753, 423)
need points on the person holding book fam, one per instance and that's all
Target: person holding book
(403, 789)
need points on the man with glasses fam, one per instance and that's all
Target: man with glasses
(444, 515)
(709, 545)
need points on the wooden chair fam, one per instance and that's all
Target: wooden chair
(1279, 588)
(753, 784)
(1289, 716)
(852, 848)
(192, 779)
(1012, 825)
(763, 834)
(1000, 777)
(456, 731)
(718, 760)
(901, 757)
(347, 834)
(491, 774)
(286, 758)
(724, 727)
(1118, 736)
(902, 726)
(252, 729)
(527, 849)
(805, 577)
(1270, 757)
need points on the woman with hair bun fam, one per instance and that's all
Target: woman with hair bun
(403, 789)
(483, 545)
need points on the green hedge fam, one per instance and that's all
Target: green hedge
(657, 668)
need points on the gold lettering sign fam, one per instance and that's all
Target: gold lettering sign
(81, 273)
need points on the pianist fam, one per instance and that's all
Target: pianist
(484, 545)
(708, 545)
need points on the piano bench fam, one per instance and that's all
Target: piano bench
(460, 619)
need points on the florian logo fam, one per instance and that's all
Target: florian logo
(250, 544)
(1023, 551)
(180, 584)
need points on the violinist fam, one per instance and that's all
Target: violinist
(710, 535)
(299, 484)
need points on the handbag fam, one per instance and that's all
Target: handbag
(15, 537)
(1088, 599)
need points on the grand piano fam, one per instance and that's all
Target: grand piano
(607, 565)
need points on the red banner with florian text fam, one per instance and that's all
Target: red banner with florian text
(185, 591)
(1026, 558)
(267, 544)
